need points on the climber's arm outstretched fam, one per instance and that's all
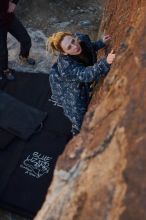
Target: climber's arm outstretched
(99, 44)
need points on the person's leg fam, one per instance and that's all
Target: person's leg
(17, 30)
(5, 72)
(3, 51)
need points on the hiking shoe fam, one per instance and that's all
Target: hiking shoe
(26, 60)
(8, 74)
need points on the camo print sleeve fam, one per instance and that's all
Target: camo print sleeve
(73, 71)
(97, 45)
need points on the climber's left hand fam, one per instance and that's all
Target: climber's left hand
(106, 38)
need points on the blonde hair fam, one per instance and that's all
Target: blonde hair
(53, 42)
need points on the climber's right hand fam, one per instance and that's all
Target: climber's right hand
(110, 58)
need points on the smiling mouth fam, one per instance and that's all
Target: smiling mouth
(78, 49)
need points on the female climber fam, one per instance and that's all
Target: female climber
(74, 72)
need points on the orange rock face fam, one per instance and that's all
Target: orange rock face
(102, 173)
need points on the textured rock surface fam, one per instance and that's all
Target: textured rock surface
(101, 174)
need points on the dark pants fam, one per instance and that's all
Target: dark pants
(16, 29)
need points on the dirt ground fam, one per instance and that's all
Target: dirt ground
(43, 17)
(53, 15)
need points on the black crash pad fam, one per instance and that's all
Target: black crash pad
(27, 166)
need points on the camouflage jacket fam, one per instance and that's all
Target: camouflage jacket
(70, 80)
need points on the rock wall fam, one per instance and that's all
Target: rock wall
(102, 173)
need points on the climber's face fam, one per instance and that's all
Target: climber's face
(70, 45)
